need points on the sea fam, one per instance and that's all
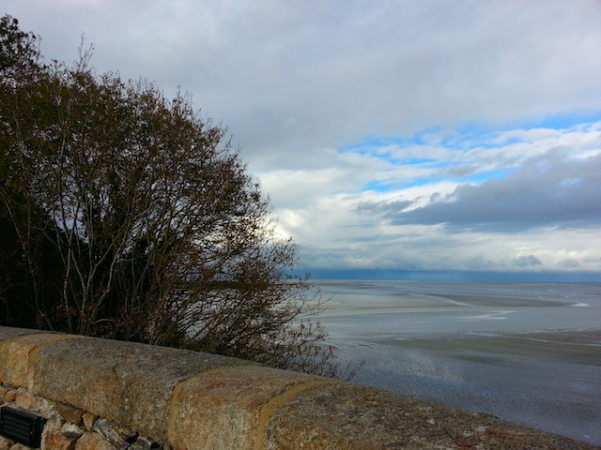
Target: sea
(527, 353)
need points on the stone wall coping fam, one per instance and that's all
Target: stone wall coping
(192, 400)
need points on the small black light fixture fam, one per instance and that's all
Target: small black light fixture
(21, 426)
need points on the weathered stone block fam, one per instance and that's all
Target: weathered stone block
(7, 395)
(39, 405)
(93, 441)
(59, 441)
(70, 413)
(5, 444)
(15, 354)
(71, 430)
(27, 401)
(221, 409)
(104, 377)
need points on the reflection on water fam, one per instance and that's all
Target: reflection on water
(525, 352)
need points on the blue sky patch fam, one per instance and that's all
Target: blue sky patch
(469, 136)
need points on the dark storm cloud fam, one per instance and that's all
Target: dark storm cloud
(527, 261)
(551, 190)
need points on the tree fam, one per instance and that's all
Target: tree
(25, 265)
(146, 218)
(19, 51)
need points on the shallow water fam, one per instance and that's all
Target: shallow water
(525, 352)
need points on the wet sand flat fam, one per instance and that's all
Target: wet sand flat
(583, 346)
(527, 353)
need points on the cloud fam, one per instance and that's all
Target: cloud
(388, 134)
(291, 77)
(540, 213)
(527, 261)
(549, 190)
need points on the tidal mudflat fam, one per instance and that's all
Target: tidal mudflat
(526, 352)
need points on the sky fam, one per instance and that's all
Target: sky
(392, 136)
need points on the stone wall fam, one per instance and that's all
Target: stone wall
(103, 394)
